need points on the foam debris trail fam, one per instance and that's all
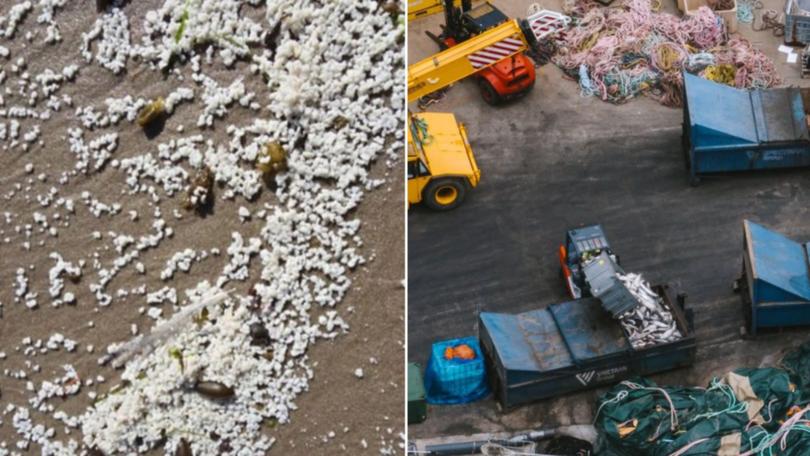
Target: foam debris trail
(143, 345)
(102, 213)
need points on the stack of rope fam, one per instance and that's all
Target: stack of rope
(746, 9)
(622, 51)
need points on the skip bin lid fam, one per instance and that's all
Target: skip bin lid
(555, 337)
(529, 341)
(779, 265)
(588, 330)
(718, 114)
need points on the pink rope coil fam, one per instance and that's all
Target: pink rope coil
(628, 49)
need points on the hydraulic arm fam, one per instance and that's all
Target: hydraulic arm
(466, 59)
(494, 55)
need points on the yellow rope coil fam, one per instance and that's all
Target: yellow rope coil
(667, 57)
(587, 44)
(723, 74)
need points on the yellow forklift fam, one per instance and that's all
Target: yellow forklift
(441, 165)
(481, 42)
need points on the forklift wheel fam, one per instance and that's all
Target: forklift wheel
(488, 93)
(444, 194)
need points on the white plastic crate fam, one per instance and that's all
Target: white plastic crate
(797, 22)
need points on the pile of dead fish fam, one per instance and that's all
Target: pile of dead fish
(649, 323)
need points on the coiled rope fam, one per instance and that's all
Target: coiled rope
(770, 20)
(746, 8)
(617, 53)
(622, 395)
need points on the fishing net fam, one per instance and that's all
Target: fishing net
(748, 412)
(629, 49)
(797, 363)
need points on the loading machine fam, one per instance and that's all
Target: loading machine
(482, 41)
(590, 268)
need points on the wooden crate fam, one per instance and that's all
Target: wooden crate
(729, 16)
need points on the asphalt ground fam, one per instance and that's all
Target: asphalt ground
(555, 160)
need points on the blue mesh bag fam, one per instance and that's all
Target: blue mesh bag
(455, 381)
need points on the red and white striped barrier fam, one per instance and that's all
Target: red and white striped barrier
(545, 23)
(495, 52)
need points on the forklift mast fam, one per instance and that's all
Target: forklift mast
(463, 22)
(453, 26)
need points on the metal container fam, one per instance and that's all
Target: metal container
(572, 346)
(797, 22)
(775, 282)
(727, 129)
(417, 405)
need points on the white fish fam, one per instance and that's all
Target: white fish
(650, 323)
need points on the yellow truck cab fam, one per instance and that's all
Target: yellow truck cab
(441, 166)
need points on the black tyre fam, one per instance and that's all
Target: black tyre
(488, 93)
(444, 194)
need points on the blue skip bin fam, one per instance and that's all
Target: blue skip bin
(572, 346)
(775, 281)
(727, 129)
(455, 381)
